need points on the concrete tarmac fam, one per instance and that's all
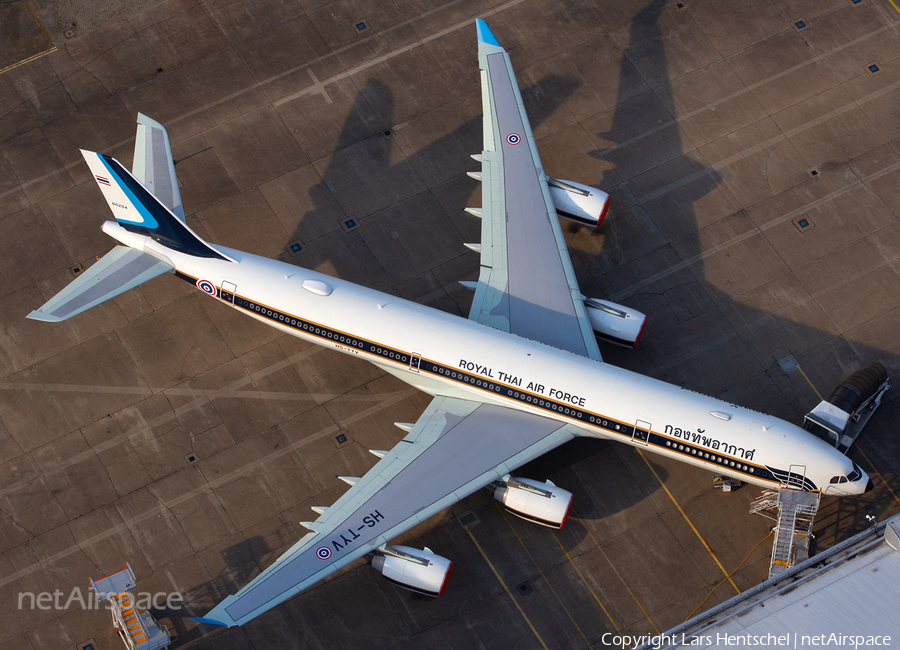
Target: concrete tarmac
(753, 157)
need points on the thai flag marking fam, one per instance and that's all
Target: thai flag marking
(101, 180)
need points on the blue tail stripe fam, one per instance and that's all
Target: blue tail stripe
(148, 220)
(159, 222)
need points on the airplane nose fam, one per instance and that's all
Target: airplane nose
(869, 486)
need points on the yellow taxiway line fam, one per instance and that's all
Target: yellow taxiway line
(690, 523)
(541, 572)
(584, 580)
(505, 588)
(616, 571)
(877, 473)
(28, 60)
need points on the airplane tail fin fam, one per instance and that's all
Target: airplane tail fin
(147, 203)
(138, 211)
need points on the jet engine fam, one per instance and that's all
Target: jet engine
(541, 503)
(615, 323)
(421, 571)
(578, 202)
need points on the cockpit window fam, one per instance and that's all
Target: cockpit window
(852, 477)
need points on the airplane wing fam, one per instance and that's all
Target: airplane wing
(153, 164)
(455, 448)
(526, 285)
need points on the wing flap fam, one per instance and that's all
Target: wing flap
(446, 456)
(121, 269)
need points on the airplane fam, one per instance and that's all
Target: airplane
(520, 376)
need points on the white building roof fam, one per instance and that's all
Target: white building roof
(848, 592)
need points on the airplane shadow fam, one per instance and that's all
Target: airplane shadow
(239, 564)
(726, 347)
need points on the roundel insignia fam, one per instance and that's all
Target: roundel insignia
(323, 552)
(513, 138)
(206, 286)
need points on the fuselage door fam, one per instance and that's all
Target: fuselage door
(641, 432)
(228, 291)
(414, 360)
(796, 476)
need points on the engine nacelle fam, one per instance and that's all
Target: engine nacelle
(420, 571)
(578, 202)
(541, 503)
(615, 323)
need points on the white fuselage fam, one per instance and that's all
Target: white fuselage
(443, 354)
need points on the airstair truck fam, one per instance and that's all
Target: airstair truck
(137, 629)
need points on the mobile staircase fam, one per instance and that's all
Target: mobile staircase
(793, 512)
(838, 420)
(138, 629)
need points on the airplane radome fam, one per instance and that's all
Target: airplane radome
(519, 377)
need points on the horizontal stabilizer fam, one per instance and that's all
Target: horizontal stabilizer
(121, 269)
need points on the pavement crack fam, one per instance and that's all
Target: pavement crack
(765, 170)
(172, 517)
(15, 523)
